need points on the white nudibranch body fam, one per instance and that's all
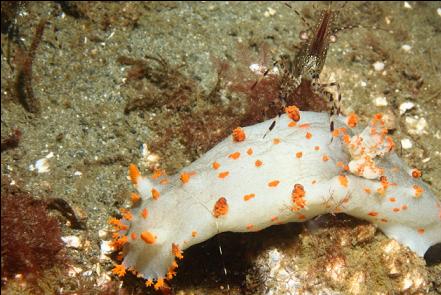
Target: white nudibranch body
(249, 182)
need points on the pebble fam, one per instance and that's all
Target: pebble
(406, 143)
(406, 106)
(406, 47)
(378, 66)
(416, 126)
(72, 241)
(380, 101)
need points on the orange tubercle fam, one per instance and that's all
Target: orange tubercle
(293, 113)
(373, 213)
(134, 173)
(148, 237)
(159, 284)
(258, 163)
(216, 165)
(416, 173)
(185, 177)
(119, 270)
(144, 213)
(194, 234)
(220, 208)
(352, 120)
(238, 134)
(308, 135)
(299, 155)
(234, 155)
(223, 174)
(248, 197)
(135, 197)
(273, 183)
(343, 180)
(418, 190)
(276, 140)
(155, 194)
(250, 151)
(176, 251)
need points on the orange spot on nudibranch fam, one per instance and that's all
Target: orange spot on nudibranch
(258, 163)
(298, 197)
(367, 190)
(292, 124)
(273, 183)
(238, 134)
(343, 180)
(308, 135)
(194, 234)
(220, 208)
(134, 173)
(248, 197)
(404, 207)
(352, 120)
(373, 213)
(418, 190)
(293, 113)
(133, 236)
(305, 125)
(135, 197)
(416, 173)
(234, 156)
(159, 284)
(249, 226)
(185, 177)
(223, 174)
(148, 237)
(316, 148)
(299, 155)
(144, 213)
(421, 231)
(163, 181)
(250, 151)
(149, 282)
(325, 158)
(157, 173)
(274, 218)
(119, 270)
(276, 140)
(176, 251)
(216, 165)
(396, 209)
(155, 194)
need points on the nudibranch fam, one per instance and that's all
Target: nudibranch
(250, 181)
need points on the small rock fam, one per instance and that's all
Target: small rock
(416, 126)
(380, 101)
(72, 241)
(406, 143)
(378, 66)
(406, 47)
(406, 106)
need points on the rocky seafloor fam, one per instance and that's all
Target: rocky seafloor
(88, 88)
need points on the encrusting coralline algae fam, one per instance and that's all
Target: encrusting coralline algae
(250, 181)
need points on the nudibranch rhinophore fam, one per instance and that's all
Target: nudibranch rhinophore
(250, 181)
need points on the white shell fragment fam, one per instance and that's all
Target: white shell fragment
(406, 106)
(378, 66)
(406, 143)
(72, 241)
(380, 101)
